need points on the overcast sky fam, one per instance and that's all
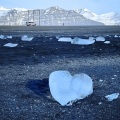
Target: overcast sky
(97, 6)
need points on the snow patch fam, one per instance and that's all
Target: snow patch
(10, 45)
(66, 88)
(113, 96)
(19, 9)
(26, 38)
(100, 38)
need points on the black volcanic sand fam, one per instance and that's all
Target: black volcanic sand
(25, 69)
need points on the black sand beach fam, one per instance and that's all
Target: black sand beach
(25, 69)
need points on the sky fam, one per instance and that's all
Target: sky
(96, 6)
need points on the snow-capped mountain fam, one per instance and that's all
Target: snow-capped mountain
(56, 16)
(108, 18)
(19, 9)
(3, 9)
(50, 16)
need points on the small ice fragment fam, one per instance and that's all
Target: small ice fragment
(101, 80)
(26, 38)
(2, 37)
(65, 39)
(113, 96)
(112, 78)
(9, 37)
(100, 38)
(10, 45)
(116, 36)
(100, 103)
(115, 75)
(58, 37)
(107, 42)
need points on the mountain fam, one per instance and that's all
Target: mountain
(56, 16)
(108, 18)
(51, 16)
(19, 9)
(3, 9)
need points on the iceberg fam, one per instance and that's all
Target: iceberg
(80, 41)
(113, 96)
(10, 45)
(26, 38)
(66, 88)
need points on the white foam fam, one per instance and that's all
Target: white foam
(67, 88)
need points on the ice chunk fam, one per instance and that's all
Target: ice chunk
(66, 88)
(26, 38)
(58, 37)
(10, 45)
(80, 41)
(91, 38)
(116, 36)
(101, 80)
(9, 37)
(2, 37)
(107, 42)
(65, 39)
(100, 38)
(100, 103)
(113, 96)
